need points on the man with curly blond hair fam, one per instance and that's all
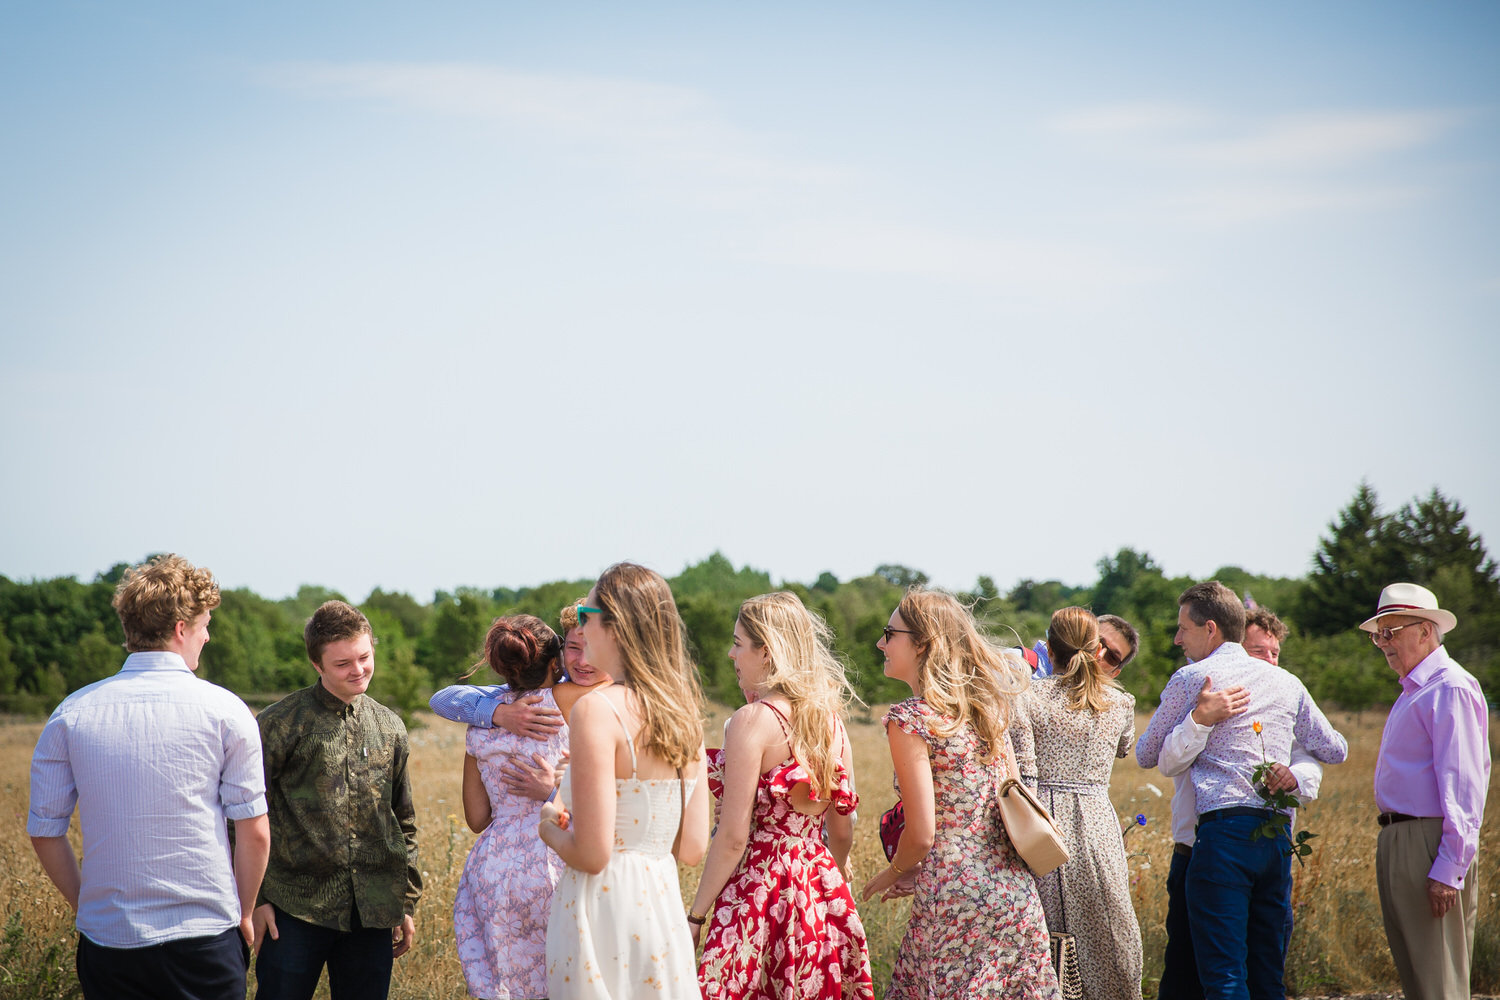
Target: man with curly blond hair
(156, 761)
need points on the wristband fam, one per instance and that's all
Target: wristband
(696, 920)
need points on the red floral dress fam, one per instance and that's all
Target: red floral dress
(785, 927)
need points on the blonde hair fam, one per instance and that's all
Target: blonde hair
(1073, 646)
(154, 596)
(568, 616)
(964, 674)
(804, 668)
(641, 615)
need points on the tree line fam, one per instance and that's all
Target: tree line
(60, 634)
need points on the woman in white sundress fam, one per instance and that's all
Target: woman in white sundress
(632, 804)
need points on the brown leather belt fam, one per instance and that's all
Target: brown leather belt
(1386, 819)
(1182, 849)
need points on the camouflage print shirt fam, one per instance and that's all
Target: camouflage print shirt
(343, 825)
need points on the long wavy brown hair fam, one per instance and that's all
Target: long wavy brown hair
(964, 674)
(642, 616)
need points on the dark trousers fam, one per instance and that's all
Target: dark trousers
(1238, 890)
(359, 961)
(1179, 974)
(201, 968)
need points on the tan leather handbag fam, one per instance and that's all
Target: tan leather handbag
(1028, 824)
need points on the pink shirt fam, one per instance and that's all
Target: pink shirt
(1435, 759)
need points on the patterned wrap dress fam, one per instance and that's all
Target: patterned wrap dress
(1067, 756)
(505, 896)
(623, 933)
(784, 926)
(976, 927)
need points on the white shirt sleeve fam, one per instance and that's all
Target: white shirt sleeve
(1308, 772)
(1182, 746)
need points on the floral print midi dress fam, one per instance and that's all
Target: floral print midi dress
(784, 926)
(976, 927)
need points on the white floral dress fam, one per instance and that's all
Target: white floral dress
(623, 933)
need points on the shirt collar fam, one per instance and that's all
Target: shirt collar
(1424, 671)
(155, 659)
(329, 700)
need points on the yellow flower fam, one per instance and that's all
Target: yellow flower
(1255, 725)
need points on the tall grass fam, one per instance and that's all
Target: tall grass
(1338, 947)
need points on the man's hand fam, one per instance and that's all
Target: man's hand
(263, 921)
(402, 937)
(1441, 896)
(1215, 706)
(530, 782)
(528, 717)
(1281, 779)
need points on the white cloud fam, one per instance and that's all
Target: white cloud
(656, 123)
(1020, 267)
(1321, 141)
(1234, 205)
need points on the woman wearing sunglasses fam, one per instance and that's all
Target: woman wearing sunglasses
(776, 915)
(632, 798)
(1068, 731)
(976, 925)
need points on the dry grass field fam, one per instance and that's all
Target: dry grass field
(1338, 948)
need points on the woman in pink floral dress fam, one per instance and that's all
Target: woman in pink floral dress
(976, 927)
(774, 911)
(505, 896)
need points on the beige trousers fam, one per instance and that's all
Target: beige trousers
(1431, 955)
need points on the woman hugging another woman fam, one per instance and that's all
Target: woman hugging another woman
(976, 927)
(776, 915)
(505, 896)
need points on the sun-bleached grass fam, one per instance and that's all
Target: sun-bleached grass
(1338, 947)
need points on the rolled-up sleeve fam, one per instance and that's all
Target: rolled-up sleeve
(53, 790)
(242, 783)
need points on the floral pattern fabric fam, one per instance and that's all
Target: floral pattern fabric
(1067, 756)
(976, 927)
(784, 926)
(505, 896)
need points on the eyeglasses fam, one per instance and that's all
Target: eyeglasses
(583, 614)
(887, 632)
(1387, 634)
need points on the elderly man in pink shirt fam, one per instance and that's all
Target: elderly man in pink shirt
(1430, 783)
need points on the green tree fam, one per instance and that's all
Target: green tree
(1362, 553)
(901, 576)
(451, 646)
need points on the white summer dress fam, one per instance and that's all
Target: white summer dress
(623, 933)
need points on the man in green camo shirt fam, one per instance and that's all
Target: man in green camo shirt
(343, 881)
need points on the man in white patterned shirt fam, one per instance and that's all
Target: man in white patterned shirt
(156, 760)
(1237, 884)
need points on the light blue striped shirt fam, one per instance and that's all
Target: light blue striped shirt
(156, 760)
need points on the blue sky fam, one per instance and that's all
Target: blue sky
(421, 296)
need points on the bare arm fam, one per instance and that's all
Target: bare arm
(61, 866)
(745, 738)
(692, 840)
(587, 841)
(476, 799)
(841, 827)
(914, 774)
(252, 849)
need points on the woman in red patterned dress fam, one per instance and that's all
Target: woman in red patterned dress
(776, 915)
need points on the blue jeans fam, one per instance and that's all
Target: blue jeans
(1238, 891)
(359, 961)
(1179, 974)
